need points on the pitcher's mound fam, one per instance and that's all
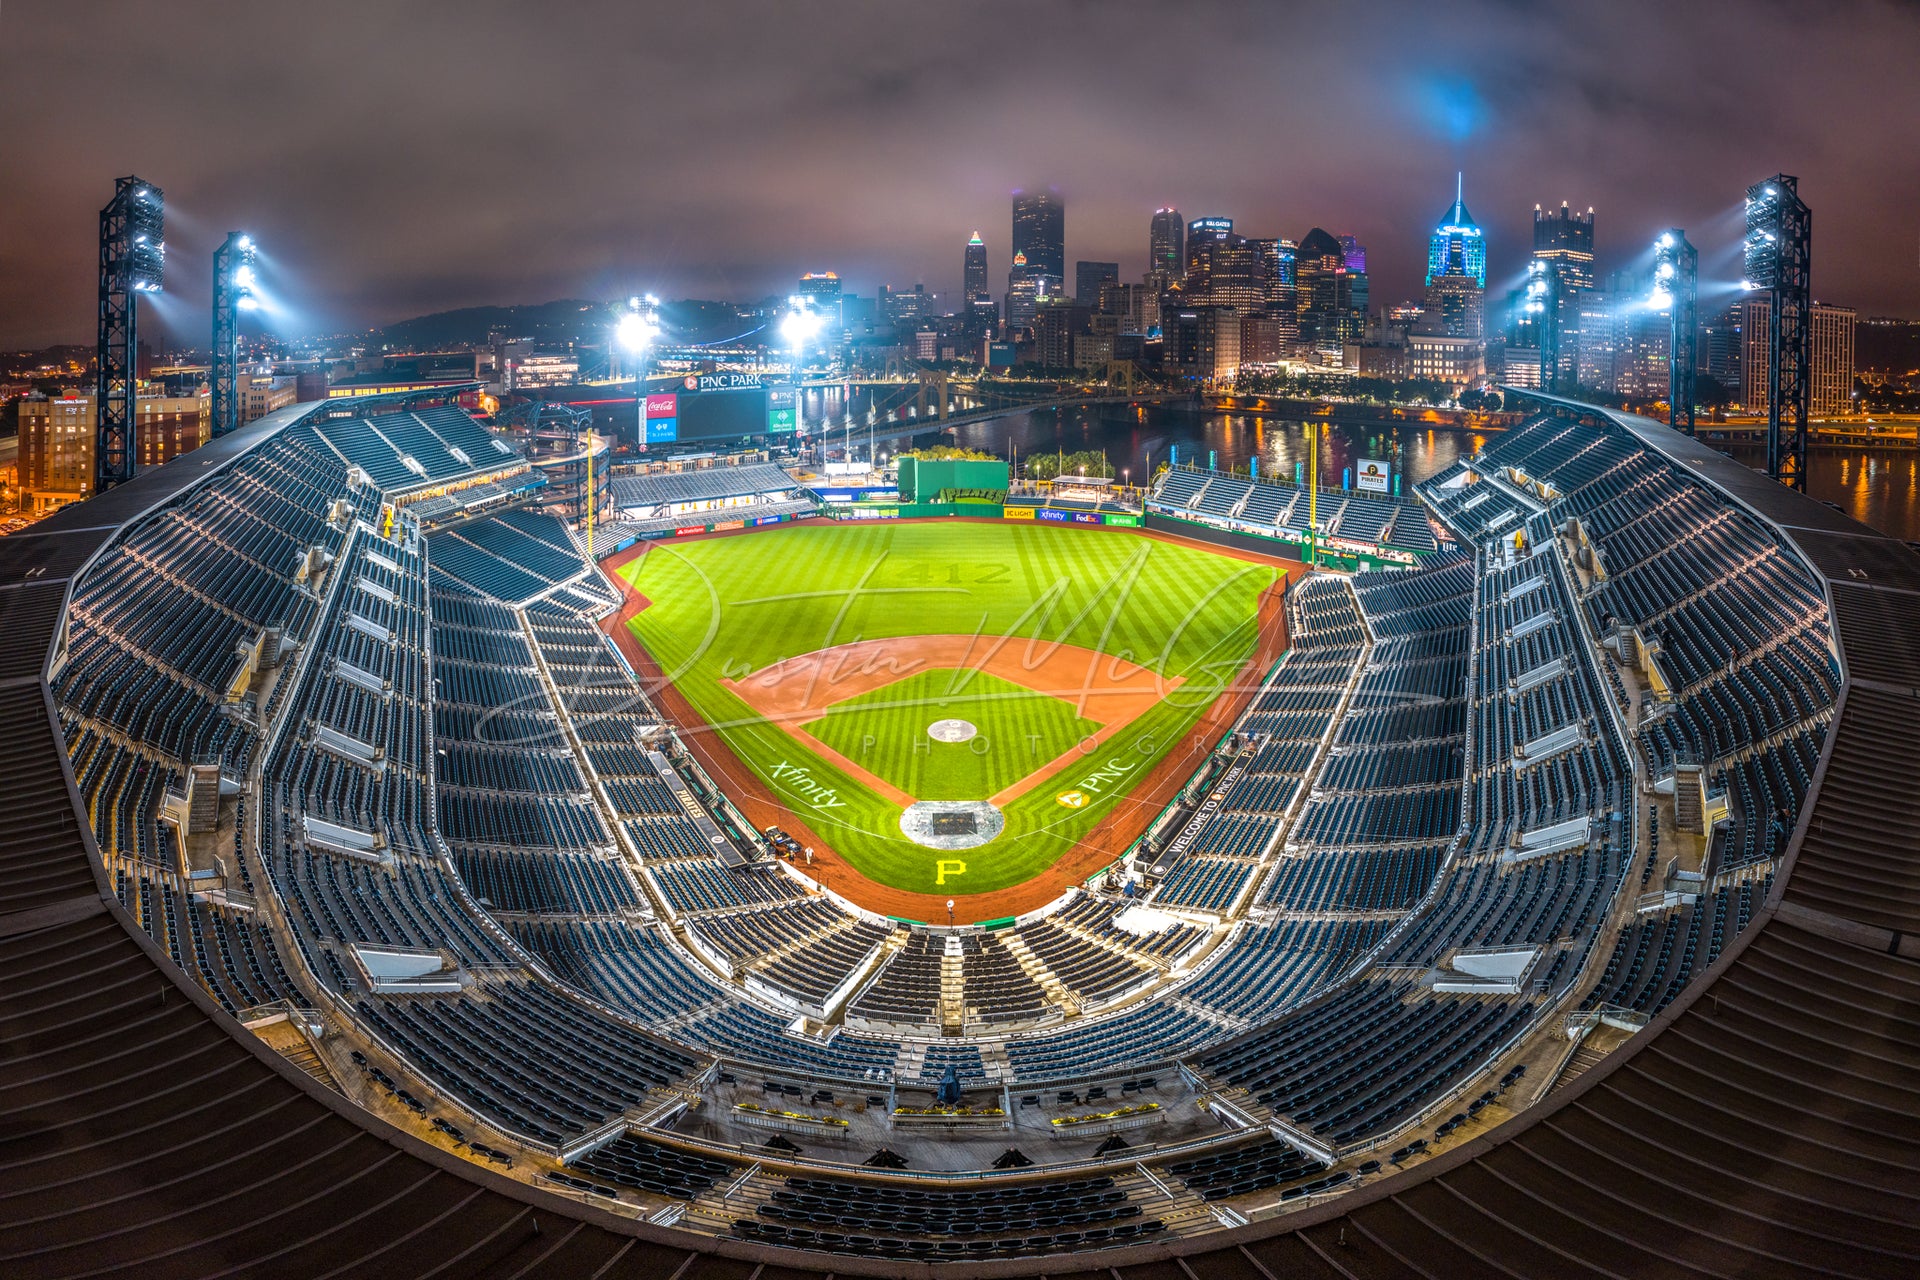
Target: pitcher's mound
(951, 731)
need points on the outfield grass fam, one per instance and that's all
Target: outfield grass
(885, 732)
(724, 607)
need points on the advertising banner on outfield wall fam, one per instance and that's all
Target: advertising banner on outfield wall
(1120, 520)
(1018, 513)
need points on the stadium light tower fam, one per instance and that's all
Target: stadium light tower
(798, 328)
(233, 284)
(1676, 291)
(634, 333)
(1778, 255)
(133, 259)
(1543, 304)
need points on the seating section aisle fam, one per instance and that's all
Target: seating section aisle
(633, 1161)
(1276, 507)
(1368, 1056)
(517, 557)
(1659, 953)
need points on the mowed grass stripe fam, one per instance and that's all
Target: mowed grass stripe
(939, 579)
(885, 731)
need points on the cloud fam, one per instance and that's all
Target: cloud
(400, 157)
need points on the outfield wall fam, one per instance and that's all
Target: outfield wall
(984, 511)
(1334, 552)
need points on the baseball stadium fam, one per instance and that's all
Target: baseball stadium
(1519, 877)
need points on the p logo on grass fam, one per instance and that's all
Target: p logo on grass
(1073, 799)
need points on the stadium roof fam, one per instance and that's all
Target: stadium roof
(1767, 1123)
(417, 448)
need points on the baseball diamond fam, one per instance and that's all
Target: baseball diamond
(1077, 658)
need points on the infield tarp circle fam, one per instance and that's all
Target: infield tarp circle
(951, 824)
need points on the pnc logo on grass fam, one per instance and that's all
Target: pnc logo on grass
(1095, 782)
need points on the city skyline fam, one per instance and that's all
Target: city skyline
(433, 187)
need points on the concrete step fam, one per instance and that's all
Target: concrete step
(1034, 967)
(953, 1001)
(303, 1057)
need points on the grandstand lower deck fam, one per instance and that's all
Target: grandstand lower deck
(461, 786)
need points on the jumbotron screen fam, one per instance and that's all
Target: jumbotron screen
(713, 407)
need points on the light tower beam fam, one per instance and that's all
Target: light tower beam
(1778, 256)
(1676, 288)
(133, 255)
(232, 292)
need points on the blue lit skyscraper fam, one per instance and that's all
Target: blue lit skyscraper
(1457, 247)
(1456, 275)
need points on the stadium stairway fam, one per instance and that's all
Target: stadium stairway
(1049, 983)
(953, 993)
(912, 1057)
(1169, 1199)
(993, 1056)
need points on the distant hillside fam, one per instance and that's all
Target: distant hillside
(563, 321)
(560, 322)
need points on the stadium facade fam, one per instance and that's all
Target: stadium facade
(360, 915)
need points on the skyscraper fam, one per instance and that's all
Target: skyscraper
(1354, 294)
(1088, 277)
(1456, 275)
(1830, 392)
(1225, 269)
(977, 310)
(1563, 241)
(1025, 288)
(1167, 243)
(1721, 349)
(821, 288)
(974, 280)
(1199, 232)
(1456, 246)
(1318, 264)
(1275, 269)
(1040, 234)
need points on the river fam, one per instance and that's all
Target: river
(1878, 487)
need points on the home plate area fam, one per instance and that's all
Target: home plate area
(951, 824)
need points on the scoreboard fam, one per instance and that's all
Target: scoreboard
(714, 407)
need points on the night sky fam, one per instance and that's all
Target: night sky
(407, 156)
